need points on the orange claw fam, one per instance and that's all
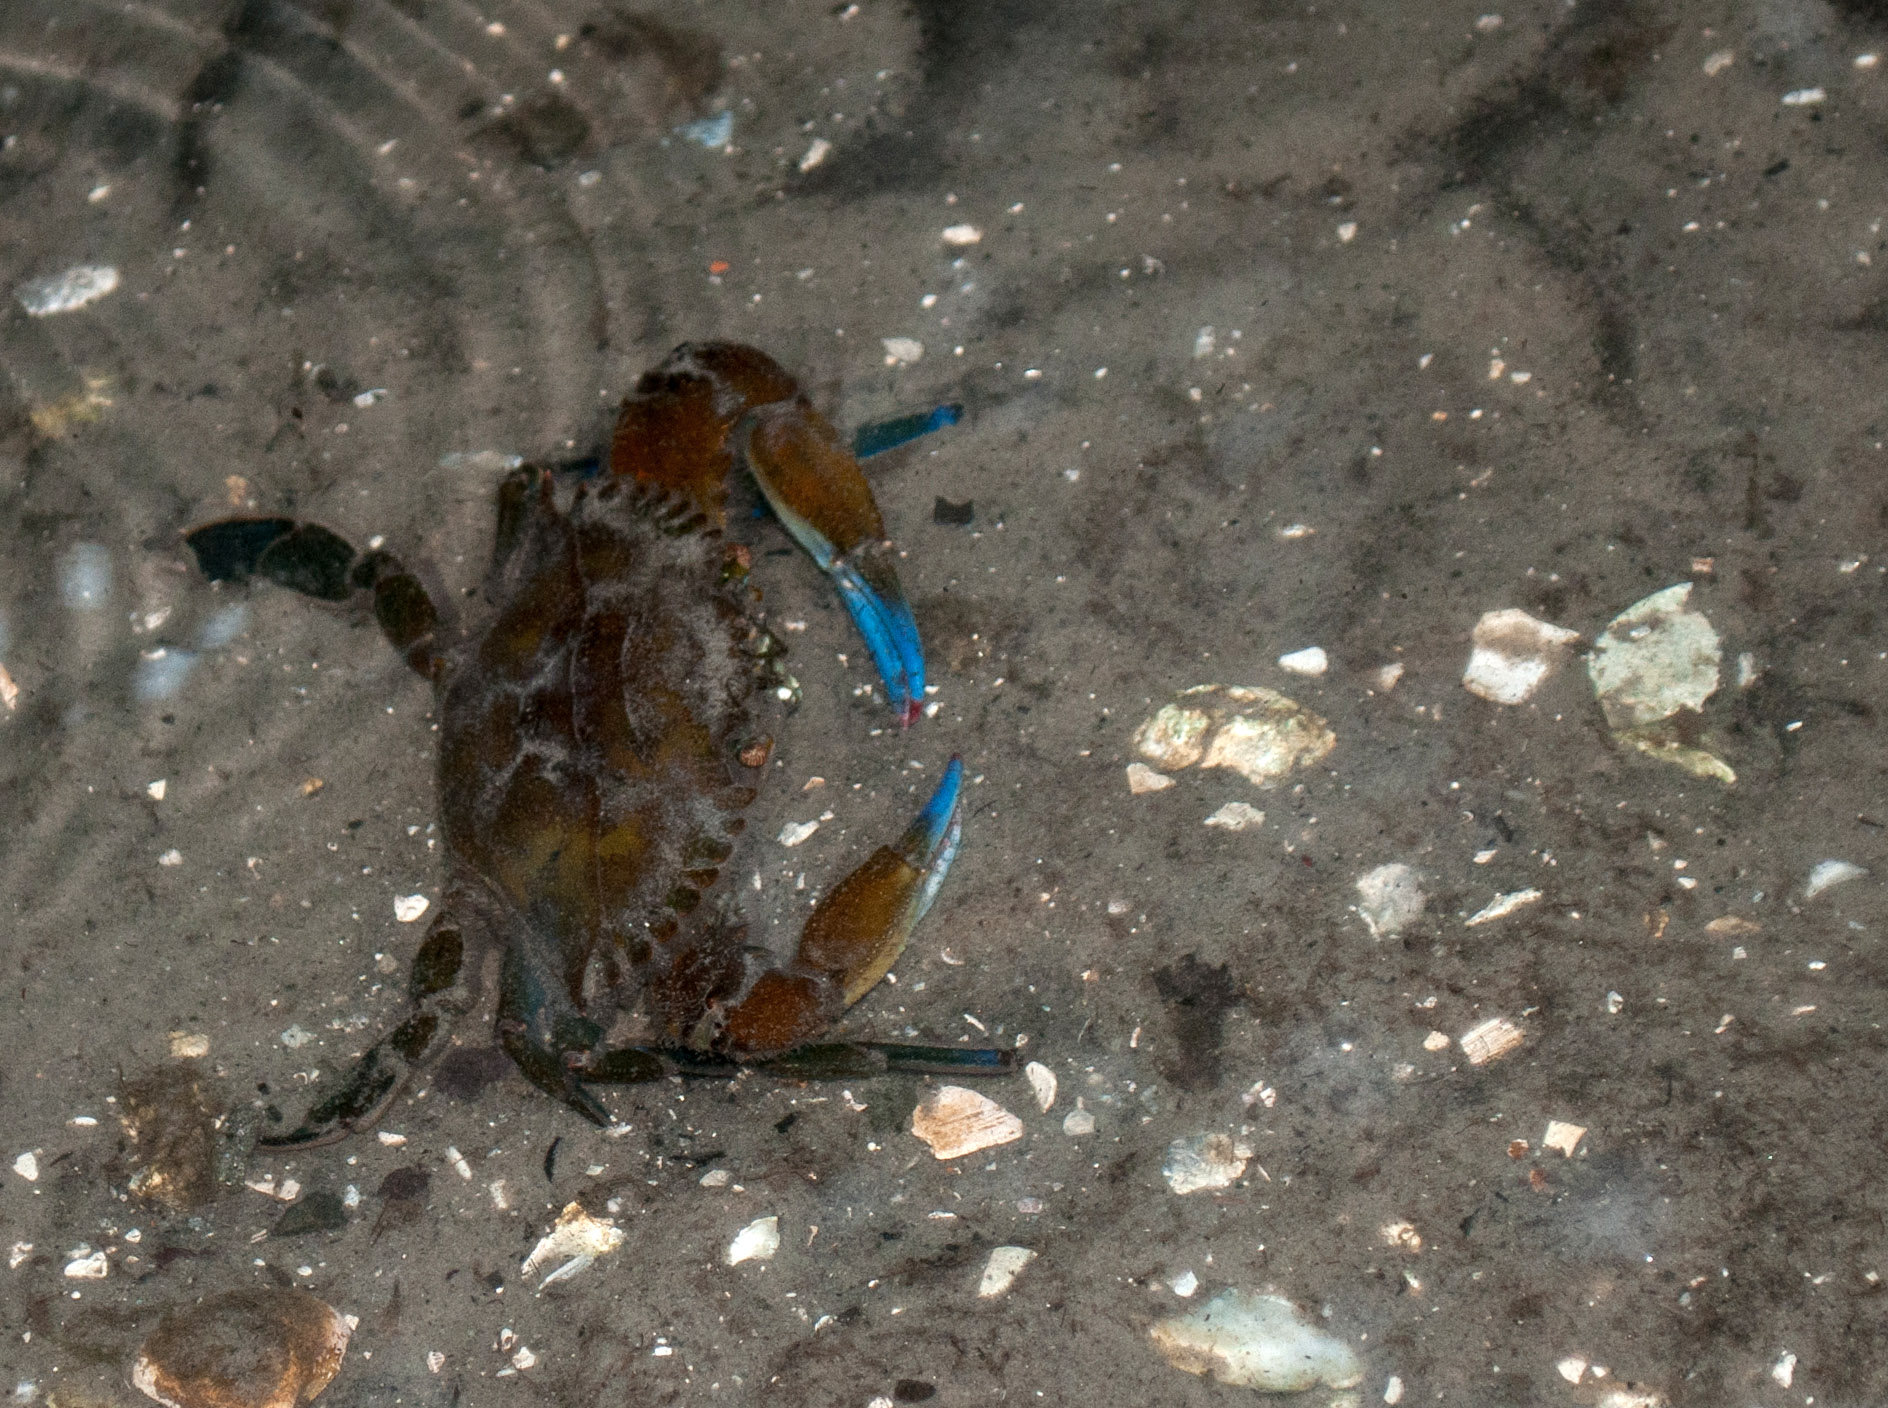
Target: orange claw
(853, 936)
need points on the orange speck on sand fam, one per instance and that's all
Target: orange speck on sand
(719, 266)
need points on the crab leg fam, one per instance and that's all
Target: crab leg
(319, 563)
(438, 996)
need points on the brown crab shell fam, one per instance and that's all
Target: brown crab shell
(244, 1349)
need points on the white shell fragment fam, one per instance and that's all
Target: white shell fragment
(1142, 778)
(901, 351)
(1078, 1122)
(1310, 661)
(1511, 655)
(1390, 899)
(1501, 906)
(1783, 1372)
(1237, 816)
(1563, 1136)
(407, 908)
(1258, 733)
(1202, 1161)
(1828, 873)
(1654, 658)
(962, 236)
(1041, 1084)
(1259, 1342)
(956, 1121)
(63, 292)
(1002, 1269)
(1490, 1041)
(27, 1166)
(575, 1240)
(795, 832)
(758, 1241)
(87, 1265)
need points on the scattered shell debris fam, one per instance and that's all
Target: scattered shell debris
(758, 1241)
(1237, 816)
(1041, 1084)
(66, 291)
(1259, 733)
(1501, 906)
(1563, 1136)
(1490, 1041)
(1825, 875)
(575, 1240)
(1511, 654)
(244, 1349)
(1197, 1162)
(1390, 898)
(1311, 661)
(1002, 1269)
(408, 908)
(901, 351)
(956, 1121)
(1142, 778)
(1254, 1341)
(1654, 661)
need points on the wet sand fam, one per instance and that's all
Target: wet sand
(1335, 326)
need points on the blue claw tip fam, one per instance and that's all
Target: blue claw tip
(931, 843)
(880, 436)
(891, 634)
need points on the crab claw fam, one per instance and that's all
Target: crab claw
(815, 486)
(853, 936)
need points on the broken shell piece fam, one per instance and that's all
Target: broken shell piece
(1078, 1122)
(1390, 899)
(1733, 924)
(1258, 733)
(1401, 1234)
(576, 1239)
(1310, 661)
(408, 908)
(1501, 906)
(758, 1241)
(1490, 1041)
(1828, 873)
(189, 1046)
(245, 1349)
(63, 292)
(1654, 658)
(1142, 778)
(1255, 1341)
(1563, 1136)
(1002, 1269)
(1237, 816)
(955, 1121)
(1202, 1161)
(1511, 655)
(1042, 1083)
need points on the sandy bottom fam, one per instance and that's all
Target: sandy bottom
(1277, 327)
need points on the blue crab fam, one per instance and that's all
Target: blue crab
(597, 748)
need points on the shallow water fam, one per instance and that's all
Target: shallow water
(1548, 313)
